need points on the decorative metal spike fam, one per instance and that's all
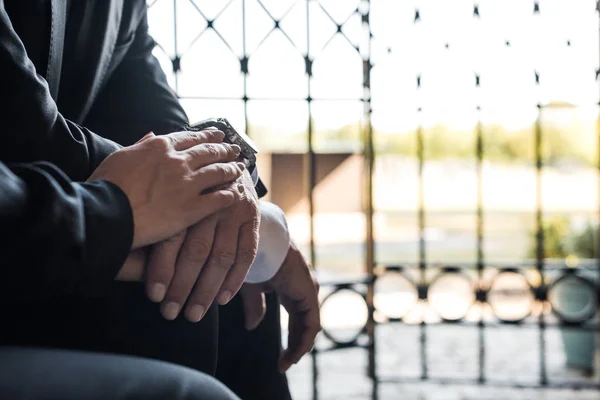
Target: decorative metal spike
(417, 16)
(537, 77)
(418, 81)
(536, 7)
(244, 65)
(476, 10)
(308, 65)
(176, 62)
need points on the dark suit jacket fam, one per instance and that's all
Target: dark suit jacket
(103, 74)
(76, 77)
(51, 232)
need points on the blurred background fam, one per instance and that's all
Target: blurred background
(438, 161)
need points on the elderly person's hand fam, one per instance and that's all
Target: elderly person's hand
(298, 290)
(208, 261)
(170, 181)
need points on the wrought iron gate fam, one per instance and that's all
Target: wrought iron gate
(485, 278)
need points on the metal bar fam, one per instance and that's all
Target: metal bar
(244, 70)
(597, 367)
(498, 324)
(539, 217)
(340, 99)
(310, 180)
(480, 252)
(422, 248)
(176, 55)
(494, 383)
(369, 159)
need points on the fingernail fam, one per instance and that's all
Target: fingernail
(171, 310)
(196, 313)
(241, 166)
(157, 292)
(224, 297)
(236, 149)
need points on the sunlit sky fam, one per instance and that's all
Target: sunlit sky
(401, 50)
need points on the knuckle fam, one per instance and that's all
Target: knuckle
(211, 150)
(160, 272)
(178, 163)
(198, 250)
(246, 256)
(161, 143)
(224, 259)
(229, 171)
(211, 134)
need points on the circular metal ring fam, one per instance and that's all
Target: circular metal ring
(590, 308)
(448, 300)
(388, 303)
(498, 281)
(354, 338)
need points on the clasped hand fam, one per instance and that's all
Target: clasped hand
(207, 262)
(180, 181)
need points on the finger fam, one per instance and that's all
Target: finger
(222, 257)
(210, 203)
(186, 139)
(217, 174)
(247, 247)
(303, 329)
(161, 266)
(209, 153)
(255, 306)
(191, 259)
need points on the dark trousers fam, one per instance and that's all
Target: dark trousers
(42, 374)
(125, 322)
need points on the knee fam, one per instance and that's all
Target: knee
(170, 381)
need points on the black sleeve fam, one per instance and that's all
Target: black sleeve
(32, 127)
(58, 237)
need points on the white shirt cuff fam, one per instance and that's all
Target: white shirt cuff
(273, 245)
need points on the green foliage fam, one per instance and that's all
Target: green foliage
(555, 231)
(585, 243)
(560, 240)
(565, 138)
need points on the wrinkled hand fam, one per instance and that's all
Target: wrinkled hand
(298, 290)
(169, 180)
(210, 260)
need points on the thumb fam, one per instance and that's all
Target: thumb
(254, 306)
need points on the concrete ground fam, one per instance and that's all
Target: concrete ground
(512, 354)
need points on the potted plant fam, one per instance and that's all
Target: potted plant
(572, 296)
